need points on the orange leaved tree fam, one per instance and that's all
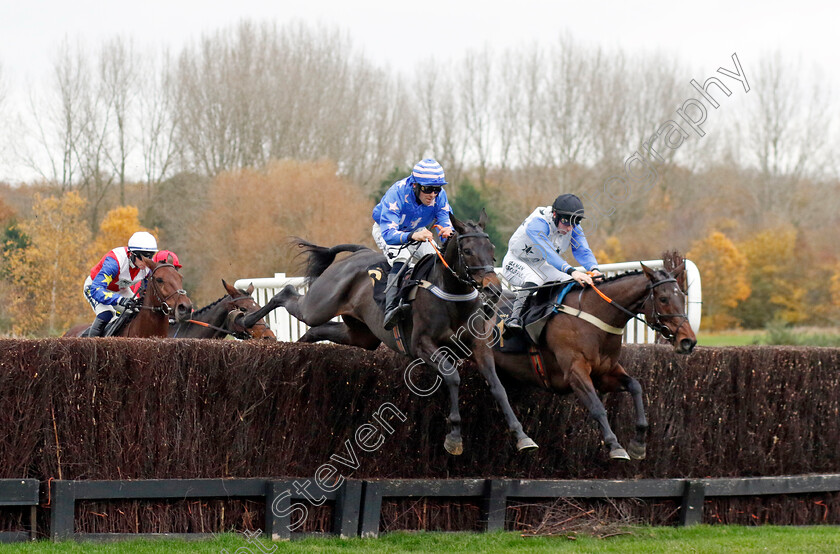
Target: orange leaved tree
(250, 215)
(725, 282)
(47, 274)
(116, 228)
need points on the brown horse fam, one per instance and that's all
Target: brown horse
(581, 357)
(436, 333)
(236, 314)
(161, 296)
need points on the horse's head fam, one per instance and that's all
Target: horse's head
(165, 292)
(240, 306)
(665, 307)
(475, 254)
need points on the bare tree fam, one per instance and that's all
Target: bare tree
(58, 118)
(476, 86)
(788, 136)
(118, 66)
(156, 121)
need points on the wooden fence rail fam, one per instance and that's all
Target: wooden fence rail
(357, 503)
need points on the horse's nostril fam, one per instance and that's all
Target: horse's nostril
(687, 345)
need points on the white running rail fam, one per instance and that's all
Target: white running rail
(287, 328)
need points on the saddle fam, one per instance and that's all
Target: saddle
(538, 308)
(409, 279)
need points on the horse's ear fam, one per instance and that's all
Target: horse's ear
(456, 223)
(482, 219)
(170, 259)
(230, 289)
(651, 274)
(250, 289)
(678, 270)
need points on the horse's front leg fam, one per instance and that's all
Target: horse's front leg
(448, 369)
(483, 357)
(619, 380)
(581, 383)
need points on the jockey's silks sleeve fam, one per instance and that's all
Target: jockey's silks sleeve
(538, 231)
(107, 274)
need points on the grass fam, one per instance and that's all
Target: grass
(701, 538)
(773, 334)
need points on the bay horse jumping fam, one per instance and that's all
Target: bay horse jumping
(582, 357)
(161, 296)
(435, 331)
(236, 314)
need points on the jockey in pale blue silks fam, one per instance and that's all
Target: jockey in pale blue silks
(109, 285)
(534, 251)
(399, 225)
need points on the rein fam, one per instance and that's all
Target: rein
(657, 325)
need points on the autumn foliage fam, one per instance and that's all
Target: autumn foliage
(723, 269)
(47, 274)
(249, 216)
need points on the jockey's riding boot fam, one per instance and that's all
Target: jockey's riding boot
(97, 328)
(514, 321)
(393, 309)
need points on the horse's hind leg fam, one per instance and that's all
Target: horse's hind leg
(352, 333)
(484, 358)
(581, 383)
(300, 306)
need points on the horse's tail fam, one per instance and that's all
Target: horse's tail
(320, 257)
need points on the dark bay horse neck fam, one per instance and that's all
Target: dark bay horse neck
(236, 314)
(438, 317)
(163, 296)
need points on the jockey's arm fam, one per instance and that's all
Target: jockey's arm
(99, 288)
(538, 232)
(581, 251)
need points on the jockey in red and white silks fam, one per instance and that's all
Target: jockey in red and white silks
(110, 281)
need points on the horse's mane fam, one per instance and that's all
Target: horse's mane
(210, 305)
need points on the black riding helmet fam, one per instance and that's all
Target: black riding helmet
(569, 208)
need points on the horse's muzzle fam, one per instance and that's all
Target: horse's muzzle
(685, 346)
(491, 285)
(183, 311)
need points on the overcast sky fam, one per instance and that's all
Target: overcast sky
(403, 34)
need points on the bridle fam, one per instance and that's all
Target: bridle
(230, 326)
(469, 270)
(163, 307)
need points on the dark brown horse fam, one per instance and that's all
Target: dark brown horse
(236, 314)
(448, 323)
(161, 296)
(581, 357)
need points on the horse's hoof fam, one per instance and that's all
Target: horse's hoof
(526, 444)
(454, 446)
(637, 450)
(619, 454)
